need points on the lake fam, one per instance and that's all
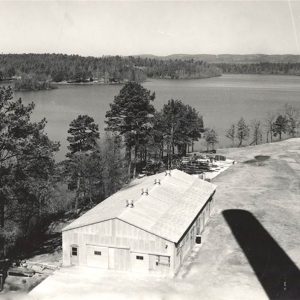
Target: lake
(220, 100)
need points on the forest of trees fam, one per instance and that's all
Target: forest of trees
(39, 71)
(260, 68)
(35, 190)
(148, 133)
(33, 70)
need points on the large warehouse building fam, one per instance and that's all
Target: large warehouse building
(148, 226)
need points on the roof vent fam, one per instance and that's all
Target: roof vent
(168, 173)
(129, 203)
(145, 192)
(156, 181)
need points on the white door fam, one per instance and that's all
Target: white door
(119, 259)
(139, 262)
(74, 255)
(97, 256)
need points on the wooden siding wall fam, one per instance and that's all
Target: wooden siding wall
(187, 242)
(118, 234)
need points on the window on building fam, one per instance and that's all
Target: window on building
(163, 260)
(97, 252)
(74, 251)
(139, 257)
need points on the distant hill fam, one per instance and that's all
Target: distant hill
(230, 58)
(287, 64)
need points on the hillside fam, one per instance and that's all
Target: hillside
(230, 58)
(244, 64)
(256, 258)
(38, 68)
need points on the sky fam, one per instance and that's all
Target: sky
(99, 28)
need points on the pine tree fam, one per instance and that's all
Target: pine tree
(181, 125)
(26, 166)
(84, 164)
(211, 138)
(114, 167)
(84, 134)
(131, 116)
(280, 126)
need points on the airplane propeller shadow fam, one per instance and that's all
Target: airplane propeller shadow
(277, 273)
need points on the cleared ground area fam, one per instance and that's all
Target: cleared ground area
(251, 246)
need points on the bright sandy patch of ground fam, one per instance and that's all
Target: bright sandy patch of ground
(218, 269)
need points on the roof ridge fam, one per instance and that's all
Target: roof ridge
(149, 189)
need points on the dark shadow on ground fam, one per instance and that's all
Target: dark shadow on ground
(258, 160)
(277, 273)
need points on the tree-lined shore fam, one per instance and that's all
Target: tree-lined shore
(38, 71)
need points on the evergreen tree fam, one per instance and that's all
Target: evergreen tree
(131, 116)
(114, 167)
(211, 138)
(84, 134)
(26, 166)
(280, 126)
(181, 125)
(84, 167)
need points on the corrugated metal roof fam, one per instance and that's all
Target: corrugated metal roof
(167, 211)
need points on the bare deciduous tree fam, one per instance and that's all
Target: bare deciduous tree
(270, 119)
(230, 134)
(292, 115)
(256, 132)
(242, 131)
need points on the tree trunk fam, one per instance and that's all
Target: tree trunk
(90, 191)
(271, 134)
(2, 201)
(2, 241)
(77, 194)
(135, 159)
(172, 146)
(169, 156)
(128, 154)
